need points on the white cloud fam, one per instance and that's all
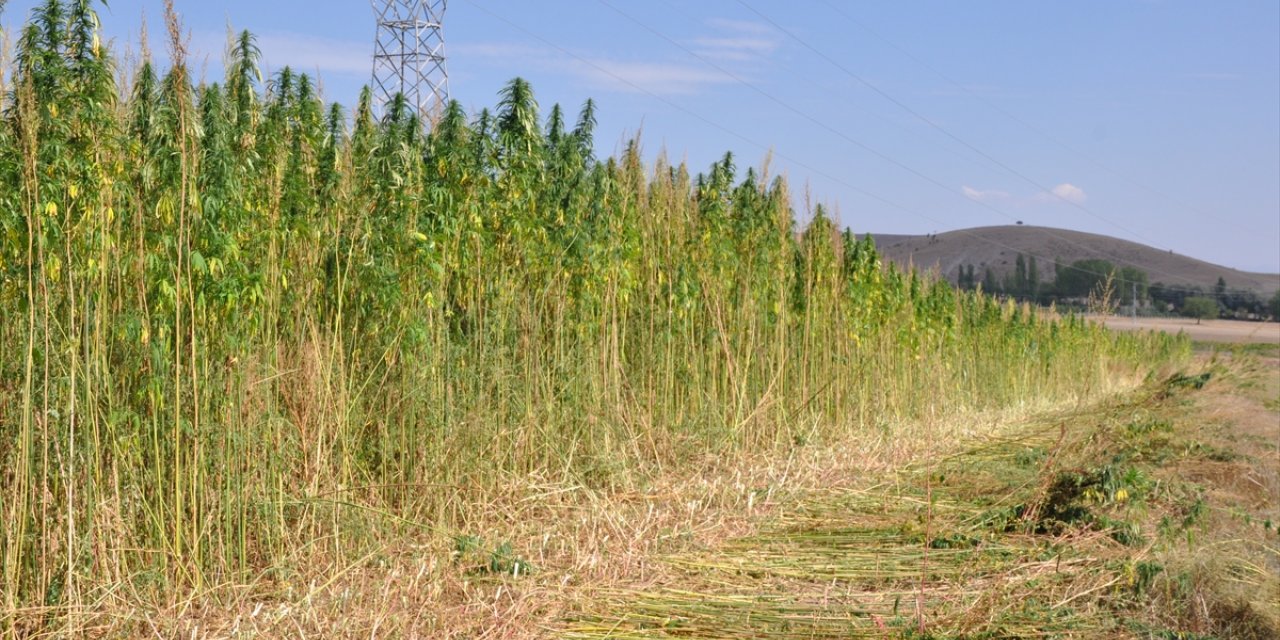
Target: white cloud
(1067, 192)
(729, 41)
(603, 72)
(741, 26)
(737, 41)
(734, 49)
(648, 77)
(725, 41)
(989, 195)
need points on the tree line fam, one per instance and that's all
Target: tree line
(1075, 282)
(1069, 282)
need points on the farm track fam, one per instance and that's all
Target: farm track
(1070, 528)
(1208, 331)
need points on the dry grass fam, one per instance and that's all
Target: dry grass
(580, 543)
(810, 541)
(1225, 580)
(1085, 525)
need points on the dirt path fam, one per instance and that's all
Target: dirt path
(1104, 522)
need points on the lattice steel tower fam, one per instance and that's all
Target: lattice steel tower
(408, 55)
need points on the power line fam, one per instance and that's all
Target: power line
(850, 139)
(717, 125)
(941, 129)
(851, 104)
(705, 120)
(1004, 112)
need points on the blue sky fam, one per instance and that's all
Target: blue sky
(1152, 120)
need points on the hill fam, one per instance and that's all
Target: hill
(998, 248)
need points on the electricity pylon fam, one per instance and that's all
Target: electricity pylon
(408, 54)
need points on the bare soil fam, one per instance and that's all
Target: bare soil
(1228, 331)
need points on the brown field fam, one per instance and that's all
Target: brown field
(1231, 331)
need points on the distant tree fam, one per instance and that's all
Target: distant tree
(1158, 292)
(989, 283)
(1200, 308)
(1220, 289)
(1131, 281)
(1033, 279)
(1173, 296)
(966, 279)
(1274, 306)
(1243, 302)
(1082, 277)
(1020, 282)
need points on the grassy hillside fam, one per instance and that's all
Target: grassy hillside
(997, 247)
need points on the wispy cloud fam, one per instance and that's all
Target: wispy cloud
(727, 42)
(647, 77)
(737, 41)
(734, 49)
(742, 26)
(1065, 192)
(987, 195)
(603, 72)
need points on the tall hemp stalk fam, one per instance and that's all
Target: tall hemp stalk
(240, 327)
